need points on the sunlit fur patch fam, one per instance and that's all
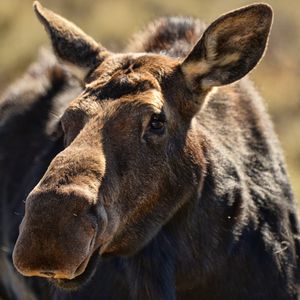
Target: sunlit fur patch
(153, 97)
(229, 59)
(193, 68)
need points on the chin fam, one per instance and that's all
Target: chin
(80, 280)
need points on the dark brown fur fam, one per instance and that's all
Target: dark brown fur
(173, 176)
(30, 111)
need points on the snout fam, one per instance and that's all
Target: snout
(57, 236)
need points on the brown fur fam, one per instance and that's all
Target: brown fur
(190, 201)
(30, 110)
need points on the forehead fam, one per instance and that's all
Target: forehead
(151, 65)
(124, 77)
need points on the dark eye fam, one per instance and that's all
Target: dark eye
(157, 123)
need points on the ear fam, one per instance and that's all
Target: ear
(229, 48)
(75, 48)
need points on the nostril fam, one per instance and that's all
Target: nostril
(48, 274)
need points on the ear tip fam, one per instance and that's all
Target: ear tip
(266, 8)
(39, 9)
(40, 12)
(37, 6)
(261, 12)
(267, 14)
(263, 9)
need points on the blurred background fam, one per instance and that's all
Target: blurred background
(113, 22)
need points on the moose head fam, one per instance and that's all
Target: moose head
(134, 153)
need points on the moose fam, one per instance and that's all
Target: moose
(164, 178)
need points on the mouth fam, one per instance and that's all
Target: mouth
(83, 278)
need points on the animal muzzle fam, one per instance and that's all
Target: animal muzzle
(57, 236)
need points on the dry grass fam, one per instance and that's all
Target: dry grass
(113, 22)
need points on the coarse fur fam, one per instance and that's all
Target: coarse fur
(29, 110)
(170, 184)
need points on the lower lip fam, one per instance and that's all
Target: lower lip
(76, 282)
